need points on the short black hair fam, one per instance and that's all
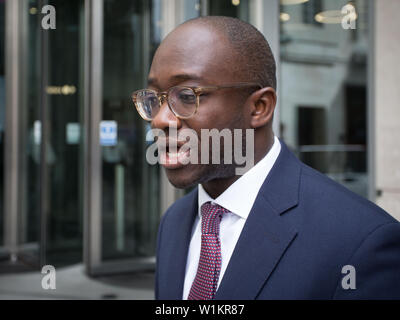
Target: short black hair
(254, 54)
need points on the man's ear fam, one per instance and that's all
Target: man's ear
(262, 106)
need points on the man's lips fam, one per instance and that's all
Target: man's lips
(169, 143)
(171, 157)
(174, 160)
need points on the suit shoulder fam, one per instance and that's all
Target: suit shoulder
(376, 261)
(339, 201)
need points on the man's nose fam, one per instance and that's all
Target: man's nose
(165, 117)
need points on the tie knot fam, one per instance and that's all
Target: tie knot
(211, 217)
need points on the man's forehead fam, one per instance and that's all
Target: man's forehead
(194, 51)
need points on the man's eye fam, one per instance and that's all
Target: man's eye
(187, 98)
(204, 94)
(152, 100)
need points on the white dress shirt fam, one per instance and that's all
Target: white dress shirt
(238, 199)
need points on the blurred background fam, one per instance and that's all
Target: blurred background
(75, 189)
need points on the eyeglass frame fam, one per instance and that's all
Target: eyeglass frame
(196, 90)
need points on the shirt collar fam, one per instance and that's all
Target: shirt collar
(251, 181)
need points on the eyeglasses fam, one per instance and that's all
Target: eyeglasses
(183, 101)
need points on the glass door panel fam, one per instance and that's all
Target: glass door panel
(64, 95)
(51, 111)
(130, 186)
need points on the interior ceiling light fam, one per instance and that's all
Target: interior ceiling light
(235, 2)
(329, 16)
(284, 16)
(289, 2)
(336, 16)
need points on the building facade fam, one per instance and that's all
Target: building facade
(74, 182)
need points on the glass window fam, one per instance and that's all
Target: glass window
(324, 88)
(130, 186)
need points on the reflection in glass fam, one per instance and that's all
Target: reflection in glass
(323, 90)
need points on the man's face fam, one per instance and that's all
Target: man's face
(194, 55)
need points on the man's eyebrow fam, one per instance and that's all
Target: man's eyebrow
(151, 82)
(185, 77)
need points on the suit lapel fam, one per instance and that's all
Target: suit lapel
(174, 270)
(265, 235)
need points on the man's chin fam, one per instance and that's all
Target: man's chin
(181, 183)
(183, 178)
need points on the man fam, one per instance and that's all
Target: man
(281, 230)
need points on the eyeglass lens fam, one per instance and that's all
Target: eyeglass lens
(182, 101)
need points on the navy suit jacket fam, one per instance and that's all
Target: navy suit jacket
(301, 231)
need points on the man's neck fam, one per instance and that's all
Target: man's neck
(217, 186)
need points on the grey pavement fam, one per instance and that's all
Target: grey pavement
(73, 283)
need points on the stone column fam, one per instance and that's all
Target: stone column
(387, 105)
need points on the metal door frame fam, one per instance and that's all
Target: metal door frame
(13, 54)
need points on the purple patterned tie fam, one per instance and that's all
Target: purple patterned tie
(205, 283)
